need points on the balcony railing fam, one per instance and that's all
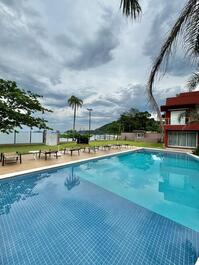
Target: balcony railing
(183, 121)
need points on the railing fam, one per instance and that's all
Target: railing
(168, 121)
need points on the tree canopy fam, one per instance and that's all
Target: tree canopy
(19, 107)
(130, 121)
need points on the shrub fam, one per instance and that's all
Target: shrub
(82, 139)
(196, 151)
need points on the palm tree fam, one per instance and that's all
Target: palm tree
(75, 103)
(130, 8)
(193, 82)
(191, 116)
(186, 26)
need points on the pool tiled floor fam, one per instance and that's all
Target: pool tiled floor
(86, 225)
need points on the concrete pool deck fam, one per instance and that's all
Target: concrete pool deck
(29, 163)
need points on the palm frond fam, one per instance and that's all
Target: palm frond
(75, 101)
(166, 51)
(194, 115)
(193, 82)
(192, 32)
(131, 8)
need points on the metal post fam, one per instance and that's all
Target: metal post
(89, 120)
(15, 137)
(30, 136)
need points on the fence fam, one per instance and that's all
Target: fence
(104, 137)
(65, 140)
(151, 137)
(22, 137)
(40, 137)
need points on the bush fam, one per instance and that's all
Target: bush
(82, 139)
(196, 152)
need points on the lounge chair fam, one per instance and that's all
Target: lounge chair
(11, 158)
(48, 153)
(77, 149)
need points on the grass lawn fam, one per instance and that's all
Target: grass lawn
(26, 148)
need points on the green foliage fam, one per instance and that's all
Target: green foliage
(135, 120)
(129, 121)
(26, 148)
(83, 139)
(76, 136)
(64, 135)
(18, 108)
(196, 152)
(110, 128)
(69, 134)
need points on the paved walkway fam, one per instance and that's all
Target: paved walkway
(28, 161)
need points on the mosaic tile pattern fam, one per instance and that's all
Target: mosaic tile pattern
(43, 222)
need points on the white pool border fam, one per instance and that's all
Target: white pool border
(38, 169)
(29, 171)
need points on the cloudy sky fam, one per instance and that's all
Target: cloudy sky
(87, 48)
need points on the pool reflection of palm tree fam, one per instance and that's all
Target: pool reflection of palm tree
(72, 180)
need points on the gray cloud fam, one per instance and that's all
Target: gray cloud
(163, 21)
(98, 50)
(95, 54)
(66, 41)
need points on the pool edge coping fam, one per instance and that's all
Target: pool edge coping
(29, 171)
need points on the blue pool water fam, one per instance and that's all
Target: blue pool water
(116, 210)
(165, 183)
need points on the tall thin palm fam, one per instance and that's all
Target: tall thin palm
(75, 103)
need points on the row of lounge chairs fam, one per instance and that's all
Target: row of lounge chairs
(17, 157)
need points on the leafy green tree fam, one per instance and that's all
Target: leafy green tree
(18, 108)
(114, 128)
(135, 120)
(129, 121)
(75, 103)
(70, 134)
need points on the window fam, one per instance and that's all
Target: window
(177, 119)
(183, 139)
(140, 135)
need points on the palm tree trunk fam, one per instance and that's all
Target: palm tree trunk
(74, 118)
(165, 52)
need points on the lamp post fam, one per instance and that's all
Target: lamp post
(89, 120)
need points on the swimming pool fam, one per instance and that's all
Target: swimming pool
(116, 210)
(166, 183)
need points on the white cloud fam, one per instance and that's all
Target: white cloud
(89, 49)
